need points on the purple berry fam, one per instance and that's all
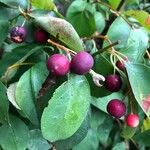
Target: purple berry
(18, 34)
(81, 63)
(58, 64)
(116, 108)
(113, 83)
(40, 36)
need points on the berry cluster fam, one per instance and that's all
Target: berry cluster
(116, 107)
(81, 63)
(18, 34)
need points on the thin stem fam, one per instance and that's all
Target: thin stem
(105, 48)
(67, 50)
(120, 5)
(148, 54)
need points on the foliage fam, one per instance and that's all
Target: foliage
(39, 110)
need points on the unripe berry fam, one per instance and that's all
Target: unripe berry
(40, 36)
(113, 83)
(58, 64)
(18, 34)
(132, 120)
(116, 108)
(81, 63)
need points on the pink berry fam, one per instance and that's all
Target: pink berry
(116, 108)
(58, 64)
(40, 36)
(81, 63)
(132, 120)
(18, 34)
(113, 83)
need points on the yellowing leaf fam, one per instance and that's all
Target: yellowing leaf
(141, 16)
(43, 4)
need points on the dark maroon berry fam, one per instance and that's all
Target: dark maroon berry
(18, 34)
(81, 63)
(132, 120)
(120, 65)
(40, 36)
(113, 83)
(116, 108)
(58, 64)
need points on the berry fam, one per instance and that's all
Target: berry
(132, 120)
(116, 108)
(81, 63)
(18, 34)
(120, 64)
(113, 83)
(40, 36)
(58, 64)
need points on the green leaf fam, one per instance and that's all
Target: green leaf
(97, 117)
(75, 139)
(14, 135)
(46, 4)
(104, 130)
(82, 16)
(114, 4)
(90, 142)
(30, 54)
(100, 22)
(37, 142)
(62, 30)
(11, 94)
(119, 146)
(15, 54)
(128, 132)
(15, 4)
(4, 104)
(136, 45)
(28, 88)
(133, 42)
(141, 16)
(138, 75)
(66, 110)
(119, 31)
(101, 103)
(4, 28)
(143, 138)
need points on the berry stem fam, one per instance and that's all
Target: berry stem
(105, 48)
(67, 50)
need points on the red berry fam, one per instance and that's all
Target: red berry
(132, 120)
(40, 36)
(120, 65)
(58, 64)
(81, 63)
(18, 34)
(113, 83)
(116, 108)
